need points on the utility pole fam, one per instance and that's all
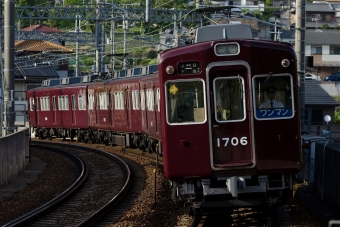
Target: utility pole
(8, 82)
(77, 28)
(98, 39)
(300, 53)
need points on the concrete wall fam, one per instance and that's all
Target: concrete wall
(14, 149)
(327, 172)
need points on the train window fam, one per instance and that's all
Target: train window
(127, 99)
(54, 106)
(142, 100)
(135, 100)
(158, 98)
(81, 102)
(229, 99)
(119, 100)
(96, 101)
(73, 102)
(185, 101)
(150, 99)
(91, 101)
(273, 95)
(103, 101)
(37, 103)
(31, 104)
(42, 104)
(66, 102)
(47, 103)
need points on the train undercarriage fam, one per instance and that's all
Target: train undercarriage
(236, 191)
(133, 140)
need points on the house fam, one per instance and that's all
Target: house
(37, 60)
(323, 46)
(319, 102)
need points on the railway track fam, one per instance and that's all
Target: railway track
(103, 181)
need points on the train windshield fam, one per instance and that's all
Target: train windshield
(229, 99)
(185, 101)
(273, 95)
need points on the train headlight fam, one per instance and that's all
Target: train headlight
(227, 49)
(170, 69)
(285, 63)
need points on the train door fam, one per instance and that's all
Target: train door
(73, 106)
(230, 120)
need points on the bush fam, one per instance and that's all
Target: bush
(337, 117)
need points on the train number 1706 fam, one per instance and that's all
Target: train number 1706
(233, 141)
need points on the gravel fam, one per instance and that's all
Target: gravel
(144, 212)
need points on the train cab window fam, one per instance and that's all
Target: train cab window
(273, 95)
(229, 103)
(185, 102)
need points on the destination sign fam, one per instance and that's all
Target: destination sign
(189, 68)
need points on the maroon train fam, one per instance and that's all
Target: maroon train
(205, 107)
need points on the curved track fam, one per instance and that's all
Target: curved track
(103, 181)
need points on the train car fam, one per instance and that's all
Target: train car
(225, 139)
(58, 111)
(223, 112)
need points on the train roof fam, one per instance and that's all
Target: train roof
(126, 73)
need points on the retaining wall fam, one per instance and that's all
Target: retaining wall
(14, 149)
(327, 172)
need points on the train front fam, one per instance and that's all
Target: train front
(230, 123)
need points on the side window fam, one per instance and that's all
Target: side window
(37, 103)
(31, 104)
(158, 99)
(142, 100)
(150, 99)
(135, 100)
(42, 104)
(273, 95)
(127, 99)
(73, 102)
(91, 101)
(185, 102)
(54, 106)
(229, 99)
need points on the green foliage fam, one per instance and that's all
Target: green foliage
(325, 26)
(337, 117)
(337, 27)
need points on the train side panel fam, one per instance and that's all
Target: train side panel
(73, 114)
(99, 113)
(150, 106)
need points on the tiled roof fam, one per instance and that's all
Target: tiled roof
(40, 28)
(326, 37)
(25, 68)
(316, 95)
(40, 46)
(319, 7)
